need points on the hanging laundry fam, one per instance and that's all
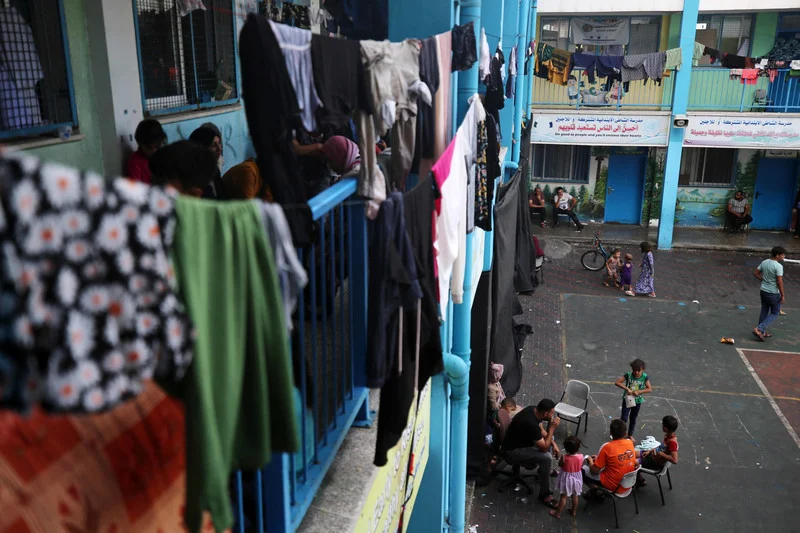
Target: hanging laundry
(187, 6)
(429, 75)
(484, 64)
(296, 15)
(673, 59)
(785, 50)
(733, 61)
(712, 54)
(421, 342)
(513, 65)
(89, 313)
(361, 19)
(271, 109)
(451, 174)
(296, 47)
(292, 277)
(643, 66)
(443, 108)
(558, 66)
(238, 393)
(339, 79)
(610, 67)
(699, 52)
(464, 47)
(495, 97)
(587, 62)
(544, 52)
(482, 183)
(20, 71)
(393, 285)
(528, 54)
(749, 76)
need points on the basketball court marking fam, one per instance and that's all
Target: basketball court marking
(769, 397)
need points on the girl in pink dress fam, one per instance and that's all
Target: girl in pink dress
(570, 480)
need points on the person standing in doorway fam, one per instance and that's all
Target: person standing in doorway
(565, 205)
(770, 272)
(738, 212)
(646, 282)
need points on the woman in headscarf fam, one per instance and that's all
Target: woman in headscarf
(208, 137)
(342, 155)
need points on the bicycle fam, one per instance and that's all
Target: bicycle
(595, 260)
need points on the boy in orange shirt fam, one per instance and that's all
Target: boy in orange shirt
(614, 459)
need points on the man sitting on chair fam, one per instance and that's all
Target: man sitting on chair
(614, 459)
(527, 442)
(565, 205)
(738, 211)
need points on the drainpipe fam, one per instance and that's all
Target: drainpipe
(522, 43)
(457, 370)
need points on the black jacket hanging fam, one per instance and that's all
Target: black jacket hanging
(272, 113)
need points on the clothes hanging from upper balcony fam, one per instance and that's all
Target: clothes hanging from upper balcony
(272, 114)
(464, 47)
(296, 48)
(238, 393)
(513, 66)
(699, 51)
(485, 61)
(643, 66)
(339, 79)
(558, 66)
(673, 59)
(733, 61)
(494, 99)
(393, 285)
(88, 307)
(429, 75)
(421, 352)
(544, 52)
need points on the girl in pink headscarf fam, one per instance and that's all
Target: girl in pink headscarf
(342, 154)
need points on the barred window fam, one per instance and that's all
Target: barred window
(36, 94)
(561, 162)
(187, 55)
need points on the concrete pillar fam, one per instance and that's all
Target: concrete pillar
(523, 32)
(680, 100)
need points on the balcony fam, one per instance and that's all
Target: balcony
(713, 90)
(640, 96)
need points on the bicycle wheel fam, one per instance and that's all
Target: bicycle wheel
(593, 260)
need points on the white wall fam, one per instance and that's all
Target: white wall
(748, 5)
(582, 7)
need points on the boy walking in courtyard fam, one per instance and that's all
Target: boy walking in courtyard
(770, 272)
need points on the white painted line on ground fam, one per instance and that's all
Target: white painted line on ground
(789, 428)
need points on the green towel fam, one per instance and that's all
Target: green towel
(238, 393)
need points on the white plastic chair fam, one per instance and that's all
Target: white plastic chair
(629, 484)
(658, 474)
(576, 391)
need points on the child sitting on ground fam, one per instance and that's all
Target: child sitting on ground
(626, 275)
(612, 269)
(570, 479)
(667, 451)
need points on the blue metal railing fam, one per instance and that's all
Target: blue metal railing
(712, 89)
(639, 96)
(328, 350)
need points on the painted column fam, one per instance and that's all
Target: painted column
(680, 100)
(522, 39)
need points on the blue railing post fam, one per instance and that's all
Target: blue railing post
(277, 507)
(523, 21)
(358, 266)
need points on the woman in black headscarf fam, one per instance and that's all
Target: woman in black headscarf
(208, 136)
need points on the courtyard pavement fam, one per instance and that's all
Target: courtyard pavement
(738, 405)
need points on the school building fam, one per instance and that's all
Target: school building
(618, 150)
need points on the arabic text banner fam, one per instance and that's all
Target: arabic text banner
(736, 131)
(603, 130)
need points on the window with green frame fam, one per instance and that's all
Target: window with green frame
(730, 34)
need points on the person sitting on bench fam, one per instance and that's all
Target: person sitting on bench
(565, 205)
(738, 213)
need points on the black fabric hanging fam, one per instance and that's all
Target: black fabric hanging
(465, 47)
(479, 375)
(272, 113)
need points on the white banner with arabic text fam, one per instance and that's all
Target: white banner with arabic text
(735, 131)
(601, 130)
